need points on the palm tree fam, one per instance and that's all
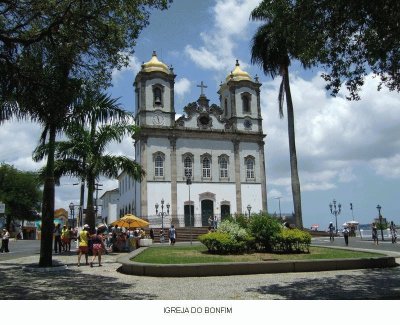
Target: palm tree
(269, 50)
(83, 154)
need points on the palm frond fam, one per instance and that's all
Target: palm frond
(112, 165)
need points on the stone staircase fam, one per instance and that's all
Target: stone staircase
(183, 234)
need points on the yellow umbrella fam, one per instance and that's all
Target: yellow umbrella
(130, 221)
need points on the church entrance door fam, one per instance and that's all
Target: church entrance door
(189, 214)
(207, 210)
(225, 211)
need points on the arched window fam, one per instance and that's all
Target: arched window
(226, 106)
(159, 166)
(223, 167)
(246, 105)
(249, 161)
(188, 167)
(206, 167)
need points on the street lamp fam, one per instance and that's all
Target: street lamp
(249, 209)
(162, 214)
(188, 183)
(380, 219)
(335, 211)
(72, 210)
(351, 208)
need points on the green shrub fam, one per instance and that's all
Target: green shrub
(292, 240)
(240, 219)
(264, 229)
(229, 238)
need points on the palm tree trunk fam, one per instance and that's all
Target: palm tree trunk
(292, 151)
(46, 240)
(90, 215)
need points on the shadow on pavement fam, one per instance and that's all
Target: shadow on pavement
(371, 284)
(19, 284)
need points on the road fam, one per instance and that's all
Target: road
(21, 248)
(357, 242)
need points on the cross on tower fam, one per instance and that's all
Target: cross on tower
(202, 85)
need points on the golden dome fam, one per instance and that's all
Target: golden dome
(238, 74)
(155, 65)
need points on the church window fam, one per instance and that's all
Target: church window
(246, 99)
(159, 166)
(223, 166)
(188, 166)
(206, 167)
(226, 106)
(249, 161)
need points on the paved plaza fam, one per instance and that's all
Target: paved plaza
(20, 279)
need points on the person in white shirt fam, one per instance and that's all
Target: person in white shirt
(4, 241)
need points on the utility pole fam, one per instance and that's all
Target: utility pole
(81, 203)
(98, 188)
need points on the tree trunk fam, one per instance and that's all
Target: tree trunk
(46, 240)
(90, 215)
(292, 151)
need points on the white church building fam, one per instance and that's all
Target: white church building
(219, 148)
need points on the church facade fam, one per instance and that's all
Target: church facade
(209, 161)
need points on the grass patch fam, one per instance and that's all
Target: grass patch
(187, 254)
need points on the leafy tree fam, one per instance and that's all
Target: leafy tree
(349, 39)
(21, 193)
(41, 75)
(269, 50)
(264, 229)
(84, 155)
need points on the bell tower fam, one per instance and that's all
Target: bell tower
(240, 100)
(154, 93)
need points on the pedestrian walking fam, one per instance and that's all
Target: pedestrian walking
(375, 234)
(152, 233)
(346, 235)
(98, 246)
(5, 237)
(393, 232)
(57, 239)
(331, 230)
(172, 235)
(66, 238)
(83, 244)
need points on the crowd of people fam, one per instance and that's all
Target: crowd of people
(102, 240)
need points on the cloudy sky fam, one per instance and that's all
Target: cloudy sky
(348, 151)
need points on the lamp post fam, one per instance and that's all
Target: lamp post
(335, 211)
(279, 201)
(162, 214)
(81, 202)
(188, 183)
(380, 219)
(72, 212)
(249, 209)
(351, 208)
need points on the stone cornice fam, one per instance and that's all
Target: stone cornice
(165, 132)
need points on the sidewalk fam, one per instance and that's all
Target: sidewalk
(20, 281)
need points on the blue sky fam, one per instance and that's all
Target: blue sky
(346, 150)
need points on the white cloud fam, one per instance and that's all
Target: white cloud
(18, 140)
(132, 68)
(387, 167)
(231, 24)
(182, 86)
(334, 137)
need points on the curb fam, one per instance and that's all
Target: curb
(241, 268)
